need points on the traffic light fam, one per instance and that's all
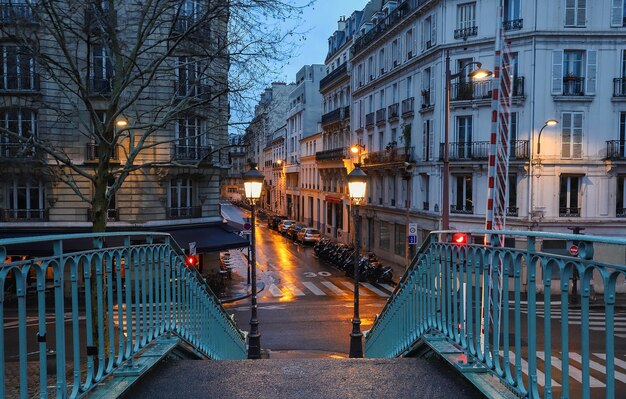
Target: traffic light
(459, 238)
(191, 261)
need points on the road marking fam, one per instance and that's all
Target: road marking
(350, 286)
(541, 377)
(313, 288)
(617, 361)
(333, 288)
(295, 290)
(598, 367)
(387, 287)
(573, 371)
(374, 290)
(275, 291)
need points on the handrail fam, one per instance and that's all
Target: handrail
(111, 301)
(441, 297)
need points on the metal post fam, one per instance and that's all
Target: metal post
(407, 177)
(254, 338)
(356, 337)
(445, 211)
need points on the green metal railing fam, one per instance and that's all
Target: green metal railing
(85, 304)
(440, 302)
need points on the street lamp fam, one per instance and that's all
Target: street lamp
(253, 183)
(478, 73)
(357, 182)
(357, 150)
(549, 122)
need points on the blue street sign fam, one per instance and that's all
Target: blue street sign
(412, 239)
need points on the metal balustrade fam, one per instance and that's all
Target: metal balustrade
(440, 300)
(84, 304)
(619, 87)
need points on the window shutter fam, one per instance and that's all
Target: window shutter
(566, 135)
(557, 72)
(581, 15)
(577, 135)
(433, 31)
(432, 85)
(431, 139)
(592, 61)
(570, 12)
(617, 17)
(425, 141)
(424, 34)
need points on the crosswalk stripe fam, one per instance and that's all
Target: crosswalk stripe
(541, 377)
(350, 286)
(313, 288)
(374, 289)
(333, 288)
(275, 291)
(573, 371)
(617, 361)
(295, 290)
(387, 287)
(598, 367)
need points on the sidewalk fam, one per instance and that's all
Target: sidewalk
(237, 287)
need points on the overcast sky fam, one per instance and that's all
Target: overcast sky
(319, 22)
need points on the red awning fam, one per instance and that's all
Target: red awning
(333, 200)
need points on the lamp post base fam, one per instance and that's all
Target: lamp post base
(254, 346)
(356, 340)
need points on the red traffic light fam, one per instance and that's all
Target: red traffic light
(459, 238)
(191, 261)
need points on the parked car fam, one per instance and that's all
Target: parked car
(309, 235)
(274, 221)
(284, 225)
(292, 231)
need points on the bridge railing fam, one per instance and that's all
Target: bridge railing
(525, 330)
(75, 308)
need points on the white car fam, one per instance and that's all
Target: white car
(284, 225)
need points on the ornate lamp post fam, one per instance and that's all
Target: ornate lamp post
(253, 183)
(357, 182)
(476, 74)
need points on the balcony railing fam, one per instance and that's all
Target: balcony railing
(184, 213)
(191, 152)
(16, 151)
(381, 115)
(100, 86)
(620, 212)
(470, 90)
(464, 33)
(512, 211)
(619, 87)
(464, 209)
(26, 83)
(393, 111)
(23, 215)
(573, 86)
(518, 86)
(616, 149)
(407, 106)
(426, 98)
(17, 13)
(91, 154)
(369, 119)
(341, 70)
(391, 156)
(569, 212)
(336, 154)
(475, 150)
(332, 116)
(513, 24)
(113, 215)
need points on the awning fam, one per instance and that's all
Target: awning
(333, 200)
(208, 238)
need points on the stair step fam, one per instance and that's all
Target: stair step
(305, 378)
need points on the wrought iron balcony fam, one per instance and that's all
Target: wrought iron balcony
(512, 211)
(331, 117)
(476, 150)
(27, 83)
(381, 116)
(573, 86)
(100, 86)
(91, 154)
(184, 213)
(569, 212)
(464, 209)
(619, 87)
(407, 106)
(616, 149)
(620, 212)
(341, 70)
(23, 215)
(392, 111)
(16, 151)
(336, 154)
(386, 157)
(12, 13)
(426, 98)
(466, 91)
(464, 33)
(513, 24)
(113, 215)
(192, 153)
(369, 119)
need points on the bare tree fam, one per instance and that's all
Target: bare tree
(117, 77)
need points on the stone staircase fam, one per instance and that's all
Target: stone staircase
(304, 378)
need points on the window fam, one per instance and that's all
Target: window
(618, 13)
(517, 149)
(620, 210)
(385, 233)
(462, 194)
(191, 140)
(570, 196)
(569, 68)
(429, 32)
(465, 21)
(428, 141)
(512, 209)
(408, 44)
(463, 136)
(395, 51)
(381, 60)
(409, 87)
(425, 188)
(101, 70)
(180, 198)
(17, 69)
(400, 239)
(191, 77)
(21, 122)
(25, 201)
(370, 68)
(428, 84)
(575, 13)
(571, 135)
(511, 12)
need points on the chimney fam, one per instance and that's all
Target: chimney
(341, 24)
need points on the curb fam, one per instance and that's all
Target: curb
(260, 288)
